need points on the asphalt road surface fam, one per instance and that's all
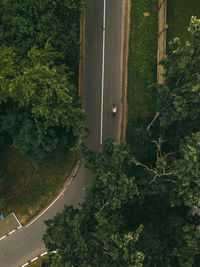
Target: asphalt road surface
(112, 82)
(26, 243)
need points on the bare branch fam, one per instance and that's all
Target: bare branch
(137, 163)
(164, 169)
(109, 201)
(154, 171)
(156, 116)
(159, 175)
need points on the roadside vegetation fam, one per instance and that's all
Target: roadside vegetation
(142, 72)
(98, 234)
(27, 190)
(179, 13)
(40, 111)
(140, 209)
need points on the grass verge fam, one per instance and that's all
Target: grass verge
(178, 17)
(142, 64)
(27, 190)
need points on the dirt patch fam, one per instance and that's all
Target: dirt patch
(126, 27)
(162, 26)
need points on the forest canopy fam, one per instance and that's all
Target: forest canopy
(143, 208)
(39, 57)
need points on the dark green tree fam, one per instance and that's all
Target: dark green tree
(28, 22)
(186, 169)
(179, 98)
(42, 110)
(167, 200)
(39, 106)
(96, 234)
(10, 64)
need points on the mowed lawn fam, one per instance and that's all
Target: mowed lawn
(28, 190)
(179, 13)
(142, 64)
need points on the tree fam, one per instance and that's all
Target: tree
(39, 105)
(33, 140)
(179, 98)
(113, 157)
(170, 232)
(186, 169)
(9, 67)
(49, 94)
(95, 234)
(29, 22)
(42, 111)
(178, 104)
(117, 205)
(170, 235)
(177, 173)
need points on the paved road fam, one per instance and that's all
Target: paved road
(113, 69)
(26, 243)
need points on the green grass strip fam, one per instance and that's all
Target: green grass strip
(142, 65)
(178, 17)
(27, 190)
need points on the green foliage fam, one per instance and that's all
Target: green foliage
(141, 73)
(42, 109)
(96, 234)
(169, 184)
(49, 93)
(179, 98)
(29, 22)
(113, 157)
(162, 237)
(178, 102)
(176, 174)
(167, 178)
(178, 18)
(39, 61)
(187, 169)
(118, 224)
(194, 29)
(9, 68)
(33, 140)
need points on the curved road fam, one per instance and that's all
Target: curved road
(26, 243)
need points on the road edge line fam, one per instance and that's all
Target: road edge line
(66, 185)
(17, 220)
(37, 257)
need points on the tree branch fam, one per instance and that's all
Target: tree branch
(155, 117)
(159, 175)
(109, 201)
(159, 155)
